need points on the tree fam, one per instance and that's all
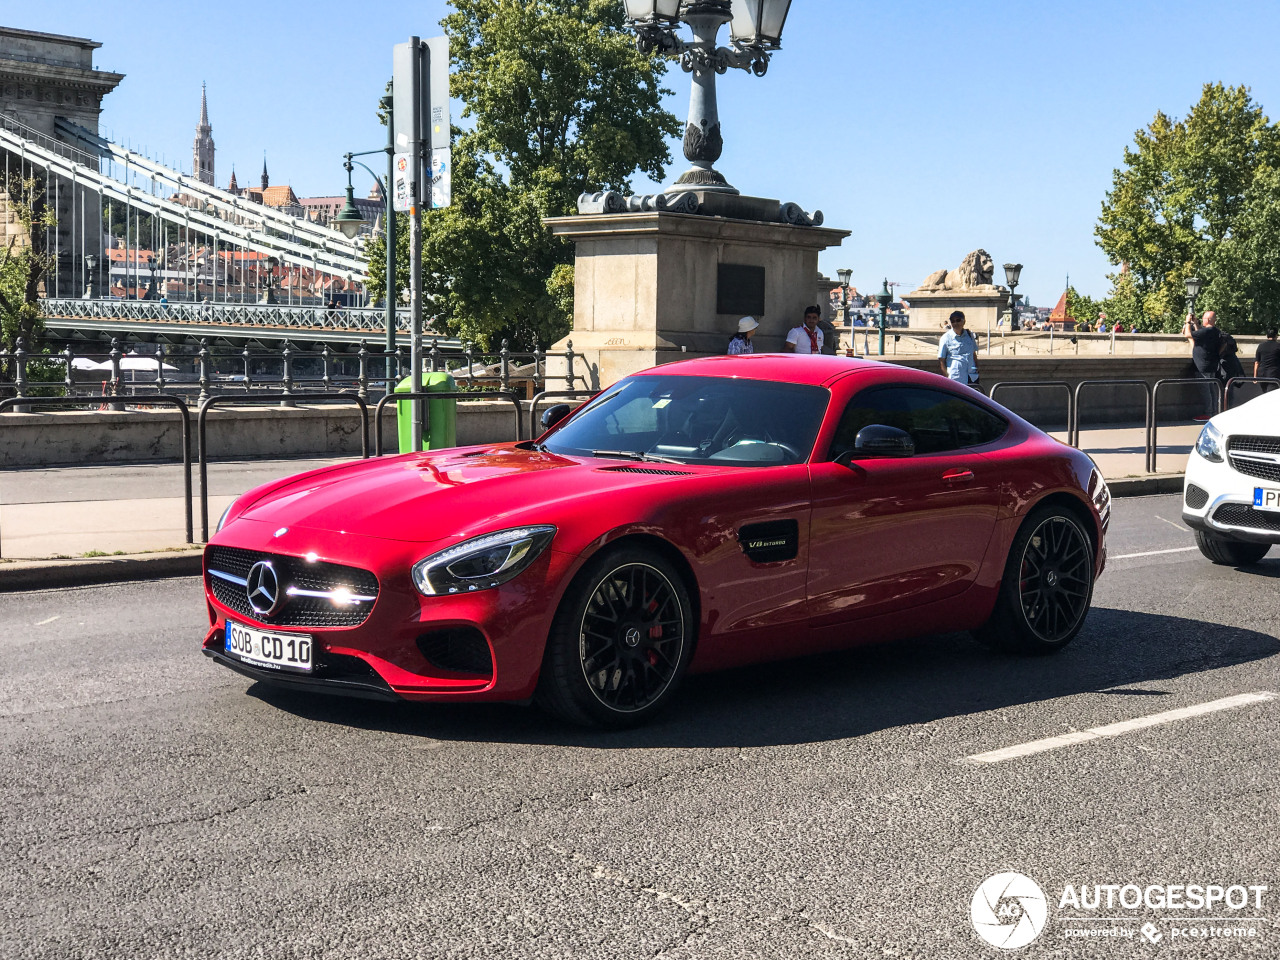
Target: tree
(1085, 309)
(24, 265)
(1181, 205)
(559, 103)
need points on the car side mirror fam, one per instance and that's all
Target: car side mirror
(878, 440)
(554, 414)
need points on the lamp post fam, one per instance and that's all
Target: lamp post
(349, 221)
(755, 28)
(90, 265)
(1193, 291)
(844, 275)
(151, 284)
(1012, 272)
(884, 298)
(270, 295)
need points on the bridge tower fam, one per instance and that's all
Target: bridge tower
(44, 76)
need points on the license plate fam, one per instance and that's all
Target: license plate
(1265, 499)
(275, 651)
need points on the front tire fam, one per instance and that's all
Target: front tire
(1232, 553)
(1047, 585)
(620, 643)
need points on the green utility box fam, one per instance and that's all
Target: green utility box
(440, 417)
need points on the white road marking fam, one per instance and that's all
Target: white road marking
(1151, 553)
(50, 620)
(1116, 729)
(1176, 526)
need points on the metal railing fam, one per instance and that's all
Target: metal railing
(203, 447)
(313, 317)
(206, 370)
(1039, 384)
(442, 395)
(157, 398)
(1073, 429)
(537, 398)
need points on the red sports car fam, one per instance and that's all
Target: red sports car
(695, 516)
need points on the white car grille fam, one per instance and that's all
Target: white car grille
(1255, 456)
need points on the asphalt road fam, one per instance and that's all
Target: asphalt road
(153, 804)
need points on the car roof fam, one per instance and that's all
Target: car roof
(819, 370)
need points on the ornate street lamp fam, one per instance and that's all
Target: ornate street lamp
(90, 264)
(844, 274)
(349, 220)
(1193, 291)
(1012, 271)
(755, 32)
(151, 285)
(884, 298)
(270, 295)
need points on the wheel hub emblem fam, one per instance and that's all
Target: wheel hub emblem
(632, 637)
(262, 587)
(1051, 578)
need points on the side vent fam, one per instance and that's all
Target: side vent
(770, 542)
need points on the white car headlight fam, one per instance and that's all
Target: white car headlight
(481, 562)
(1209, 445)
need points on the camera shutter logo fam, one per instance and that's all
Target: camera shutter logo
(1009, 910)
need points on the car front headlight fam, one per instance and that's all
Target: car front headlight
(225, 513)
(481, 562)
(1209, 445)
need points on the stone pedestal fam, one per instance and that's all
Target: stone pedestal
(645, 285)
(44, 76)
(982, 306)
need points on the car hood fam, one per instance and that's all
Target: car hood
(1260, 415)
(447, 494)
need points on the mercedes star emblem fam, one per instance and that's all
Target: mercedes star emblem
(263, 588)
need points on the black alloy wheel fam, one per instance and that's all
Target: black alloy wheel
(1047, 585)
(621, 643)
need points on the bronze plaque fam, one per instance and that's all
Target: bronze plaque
(740, 289)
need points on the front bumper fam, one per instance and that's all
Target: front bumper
(402, 650)
(1218, 500)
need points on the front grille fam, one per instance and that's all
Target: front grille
(1243, 515)
(296, 572)
(1239, 448)
(463, 649)
(1251, 444)
(1197, 497)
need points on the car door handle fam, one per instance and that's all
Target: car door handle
(958, 475)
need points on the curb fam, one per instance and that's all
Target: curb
(1146, 486)
(52, 574)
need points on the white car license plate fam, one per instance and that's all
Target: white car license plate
(1266, 499)
(276, 651)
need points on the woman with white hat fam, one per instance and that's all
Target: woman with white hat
(741, 343)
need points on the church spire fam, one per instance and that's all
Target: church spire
(265, 179)
(204, 111)
(202, 149)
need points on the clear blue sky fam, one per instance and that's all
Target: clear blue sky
(928, 129)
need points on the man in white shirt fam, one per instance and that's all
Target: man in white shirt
(807, 337)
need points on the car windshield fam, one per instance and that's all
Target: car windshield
(721, 420)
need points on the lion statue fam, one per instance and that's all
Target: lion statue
(976, 270)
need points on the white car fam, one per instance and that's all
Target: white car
(1231, 494)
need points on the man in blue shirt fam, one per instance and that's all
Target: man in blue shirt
(958, 352)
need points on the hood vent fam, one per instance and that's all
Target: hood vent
(660, 471)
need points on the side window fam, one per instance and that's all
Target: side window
(937, 420)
